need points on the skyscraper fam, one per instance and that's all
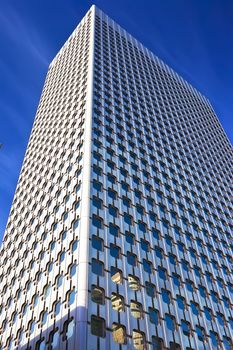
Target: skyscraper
(120, 231)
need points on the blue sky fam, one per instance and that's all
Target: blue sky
(194, 37)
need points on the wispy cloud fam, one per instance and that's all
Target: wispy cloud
(22, 32)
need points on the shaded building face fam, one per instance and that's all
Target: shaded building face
(120, 232)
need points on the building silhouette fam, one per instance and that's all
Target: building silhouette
(120, 231)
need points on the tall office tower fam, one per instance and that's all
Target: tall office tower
(120, 232)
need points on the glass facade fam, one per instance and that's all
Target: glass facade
(120, 233)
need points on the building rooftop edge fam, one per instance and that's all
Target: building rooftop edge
(95, 8)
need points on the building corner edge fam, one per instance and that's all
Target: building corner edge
(83, 254)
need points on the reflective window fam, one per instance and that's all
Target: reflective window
(119, 333)
(98, 326)
(97, 294)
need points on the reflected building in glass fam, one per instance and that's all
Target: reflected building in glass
(120, 231)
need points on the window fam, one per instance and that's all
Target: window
(44, 318)
(214, 338)
(185, 265)
(97, 294)
(97, 267)
(134, 282)
(194, 308)
(226, 302)
(126, 202)
(14, 317)
(71, 298)
(136, 309)
(4, 325)
(221, 319)
(57, 308)
(64, 235)
(117, 302)
(65, 216)
(190, 286)
(170, 322)
(140, 209)
(74, 245)
(62, 257)
(180, 302)
(142, 226)
(115, 251)
(157, 343)
(186, 328)
(98, 326)
(112, 194)
(147, 266)
(59, 281)
(76, 205)
(119, 333)
(208, 313)
(22, 338)
(55, 226)
(47, 291)
(113, 229)
(35, 300)
(54, 340)
(32, 327)
(131, 259)
(97, 243)
(176, 280)
(69, 327)
(42, 255)
(162, 273)
(76, 224)
(97, 185)
(128, 219)
(25, 309)
(172, 259)
(116, 275)
(156, 234)
(113, 211)
(214, 296)
(97, 221)
(227, 343)
(174, 346)
(97, 202)
(150, 289)
(154, 316)
(166, 296)
(73, 270)
(129, 238)
(41, 345)
(200, 333)
(139, 341)
(159, 252)
(50, 267)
